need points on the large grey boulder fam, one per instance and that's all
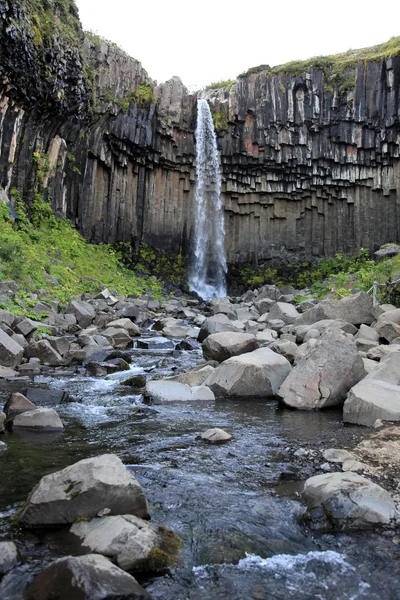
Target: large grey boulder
(326, 325)
(11, 352)
(45, 352)
(2, 421)
(354, 309)
(117, 337)
(82, 311)
(196, 377)
(284, 311)
(8, 557)
(216, 324)
(388, 324)
(347, 501)
(221, 346)
(126, 324)
(324, 376)
(90, 577)
(372, 399)
(83, 490)
(388, 369)
(6, 317)
(215, 436)
(258, 373)
(131, 542)
(39, 419)
(17, 404)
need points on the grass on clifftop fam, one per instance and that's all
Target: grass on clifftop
(50, 255)
(340, 61)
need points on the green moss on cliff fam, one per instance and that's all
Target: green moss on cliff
(50, 17)
(216, 85)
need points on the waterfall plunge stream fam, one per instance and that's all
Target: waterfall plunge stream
(208, 270)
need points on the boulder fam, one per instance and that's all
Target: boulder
(356, 309)
(45, 352)
(284, 311)
(6, 317)
(324, 326)
(216, 324)
(258, 373)
(286, 348)
(176, 332)
(83, 312)
(221, 346)
(387, 251)
(155, 343)
(197, 377)
(388, 369)
(18, 404)
(3, 447)
(136, 381)
(8, 557)
(11, 352)
(347, 501)
(370, 400)
(215, 436)
(202, 392)
(337, 455)
(3, 418)
(167, 390)
(39, 419)
(118, 337)
(131, 542)
(388, 325)
(46, 397)
(82, 490)
(90, 577)
(126, 324)
(25, 326)
(6, 372)
(60, 344)
(324, 376)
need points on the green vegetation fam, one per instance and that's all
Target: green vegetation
(216, 85)
(337, 276)
(52, 17)
(338, 68)
(97, 40)
(143, 95)
(220, 120)
(50, 255)
(150, 261)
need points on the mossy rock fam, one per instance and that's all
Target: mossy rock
(136, 381)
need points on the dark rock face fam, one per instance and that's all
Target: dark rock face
(308, 168)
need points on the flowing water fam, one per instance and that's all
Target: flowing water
(208, 270)
(240, 525)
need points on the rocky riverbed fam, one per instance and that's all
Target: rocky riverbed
(289, 503)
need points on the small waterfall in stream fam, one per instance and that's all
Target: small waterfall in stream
(207, 275)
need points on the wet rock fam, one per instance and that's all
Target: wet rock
(18, 404)
(3, 417)
(126, 324)
(176, 332)
(155, 343)
(45, 352)
(215, 436)
(258, 373)
(347, 501)
(11, 352)
(95, 369)
(39, 419)
(136, 381)
(46, 397)
(370, 400)
(3, 447)
(8, 557)
(323, 377)
(90, 577)
(82, 490)
(188, 345)
(221, 346)
(167, 391)
(82, 311)
(131, 542)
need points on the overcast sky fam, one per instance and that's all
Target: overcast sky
(210, 40)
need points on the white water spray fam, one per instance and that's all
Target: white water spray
(208, 270)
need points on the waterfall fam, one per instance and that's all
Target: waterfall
(207, 274)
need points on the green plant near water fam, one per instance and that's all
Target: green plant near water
(337, 276)
(50, 255)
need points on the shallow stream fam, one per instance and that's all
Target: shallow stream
(235, 505)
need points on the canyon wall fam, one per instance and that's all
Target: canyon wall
(309, 167)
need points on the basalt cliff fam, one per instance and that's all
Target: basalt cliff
(309, 153)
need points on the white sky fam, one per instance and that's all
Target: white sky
(207, 41)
